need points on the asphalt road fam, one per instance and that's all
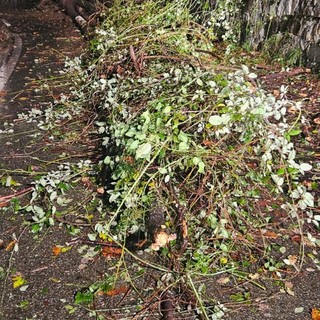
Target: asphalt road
(10, 50)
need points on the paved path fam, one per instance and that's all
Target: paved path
(47, 37)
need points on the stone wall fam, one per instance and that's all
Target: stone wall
(292, 24)
(286, 26)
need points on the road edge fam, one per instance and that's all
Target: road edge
(11, 57)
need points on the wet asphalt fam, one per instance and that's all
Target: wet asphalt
(46, 39)
(41, 42)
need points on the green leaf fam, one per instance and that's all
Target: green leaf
(183, 146)
(84, 297)
(199, 82)
(305, 167)
(281, 171)
(134, 145)
(201, 166)
(70, 309)
(237, 297)
(143, 151)
(219, 120)
(215, 120)
(196, 160)
(23, 304)
(8, 182)
(167, 109)
(183, 136)
(18, 281)
(163, 170)
(294, 132)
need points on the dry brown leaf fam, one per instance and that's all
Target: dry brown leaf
(296, 238)
(4, 204)
(207, 142)
(56, 250)
(128, 159)
(316, 120)
(315, 314)
(288, 284)
(270, 234)
(161, 239)
(100, 190)
(111, 252)
(114, 292)
(141, 243)
(292, 110)
(117, 291)
(291, 260)
(184, 229)
(223, 280)
(288, 288)
(86, 182)
(276, 93)
(10, 246)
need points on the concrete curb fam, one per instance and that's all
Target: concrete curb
(10, 52)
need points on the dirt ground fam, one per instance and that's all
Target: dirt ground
(51, 281)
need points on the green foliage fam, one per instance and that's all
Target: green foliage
(84, 297)
(279, 47)
(184, 131)
(50, 194)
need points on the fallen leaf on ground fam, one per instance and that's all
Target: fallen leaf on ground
(86, 182)
(100, 190)
(60, 249)
(56, 250)
(18, 280)
(223, 280)
(11, 245)
(4, 204)
(315, 314)
(288, 288)
(207, 142)
(141, 243)
(115, 291)
(184, 229)
(111, 252)
(270, 234)
(291, 260)
(161, 239)
(296, 238)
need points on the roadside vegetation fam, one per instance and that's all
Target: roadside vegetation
(195, 163)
